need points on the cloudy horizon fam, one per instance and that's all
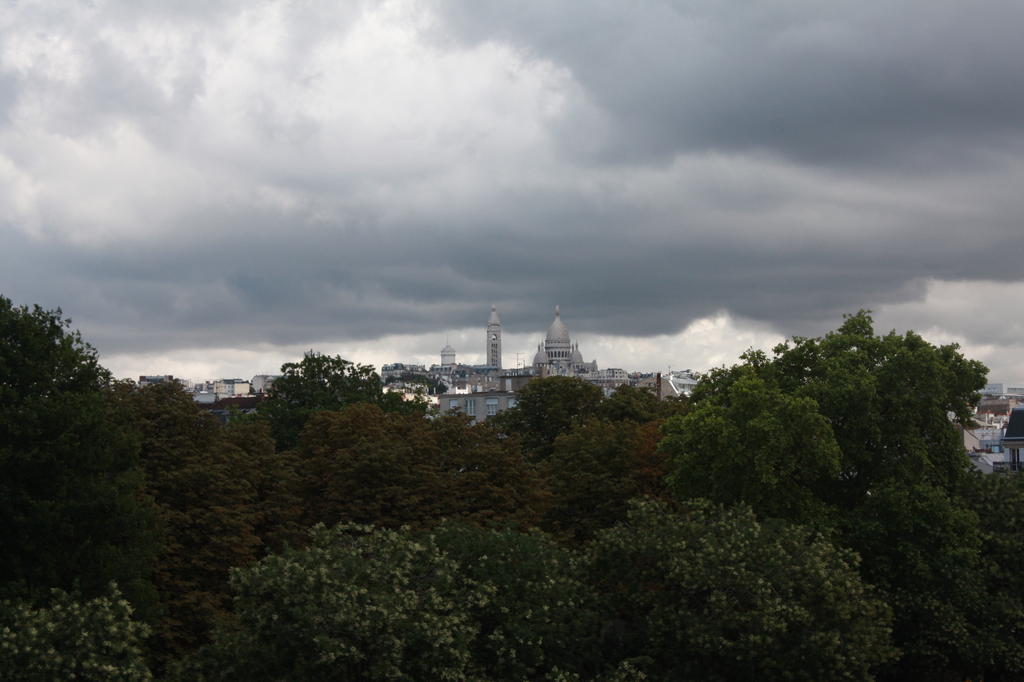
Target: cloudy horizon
(208, 189)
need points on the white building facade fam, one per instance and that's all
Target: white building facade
(558, 355)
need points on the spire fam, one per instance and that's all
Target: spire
(558, 332)
(494, 319)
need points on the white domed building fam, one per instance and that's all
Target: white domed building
(558, 355)
(447, 357)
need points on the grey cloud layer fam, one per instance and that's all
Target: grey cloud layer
(830, 83)
(232, 175)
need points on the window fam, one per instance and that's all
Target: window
(471, 407)
(492, 407)
(511, 402)
(453, 404)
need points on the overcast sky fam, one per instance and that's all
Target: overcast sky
(208, 188)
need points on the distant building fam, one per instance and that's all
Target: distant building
(227, 388)
(1001, 388)
(480, 406)
(224, 408)
(610, 378)
(1013, 440)
(558, 355)
(262, 383)
(447, 357)
(678, 384)
(151, 379)
(203, 387)
(494, 339)
(397, 370)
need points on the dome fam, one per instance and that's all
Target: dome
(558, 331)
(577, 356)
(494, 319)
(447, 349)
(541, 358)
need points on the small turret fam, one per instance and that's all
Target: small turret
(447, 356)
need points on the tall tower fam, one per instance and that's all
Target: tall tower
(494, 339)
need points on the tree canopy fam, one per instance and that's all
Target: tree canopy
(859, 435)
(323, 382)
(713, 594)
(844, 537)
(72, 515)
(752, 443)
(595, 470)
(356, 604)
(364, 465)
(548, 407)
(885, 401)
(68, 638)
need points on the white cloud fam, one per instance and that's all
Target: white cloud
(705, 343)
(980, 315)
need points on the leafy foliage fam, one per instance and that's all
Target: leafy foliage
(852, 434)
(888, 399)
(275, 481)
(752, 443)
(640, 405)
(356, 604)
(712, 594)
(921, 548)
(859, 433)
(547, 408)
(67, 638)
(1001, 534)
(322, 382)
(207, 506)
(595, 469)
(527, 596)
(368, 466)
(71, 510)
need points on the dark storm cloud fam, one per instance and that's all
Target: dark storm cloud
(821, 82)
(210, 176)
(291, 284)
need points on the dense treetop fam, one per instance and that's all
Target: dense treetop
(808, 514)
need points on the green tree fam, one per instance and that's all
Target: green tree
(460, 602)
(752, 443)
(67, 638)
(921, 548)
(888, 399)
(547, 408)
(323, 382)
(389, 469)
(367, 466)
(995, 500)
(893, 405)
(72, 512)
(713, 594)
(596, 469)
(486, 478)
(356, 604)
(527, 596)
(208, 508)
(639, 405)
(275, 480)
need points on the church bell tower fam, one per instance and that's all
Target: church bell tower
(494, 339)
